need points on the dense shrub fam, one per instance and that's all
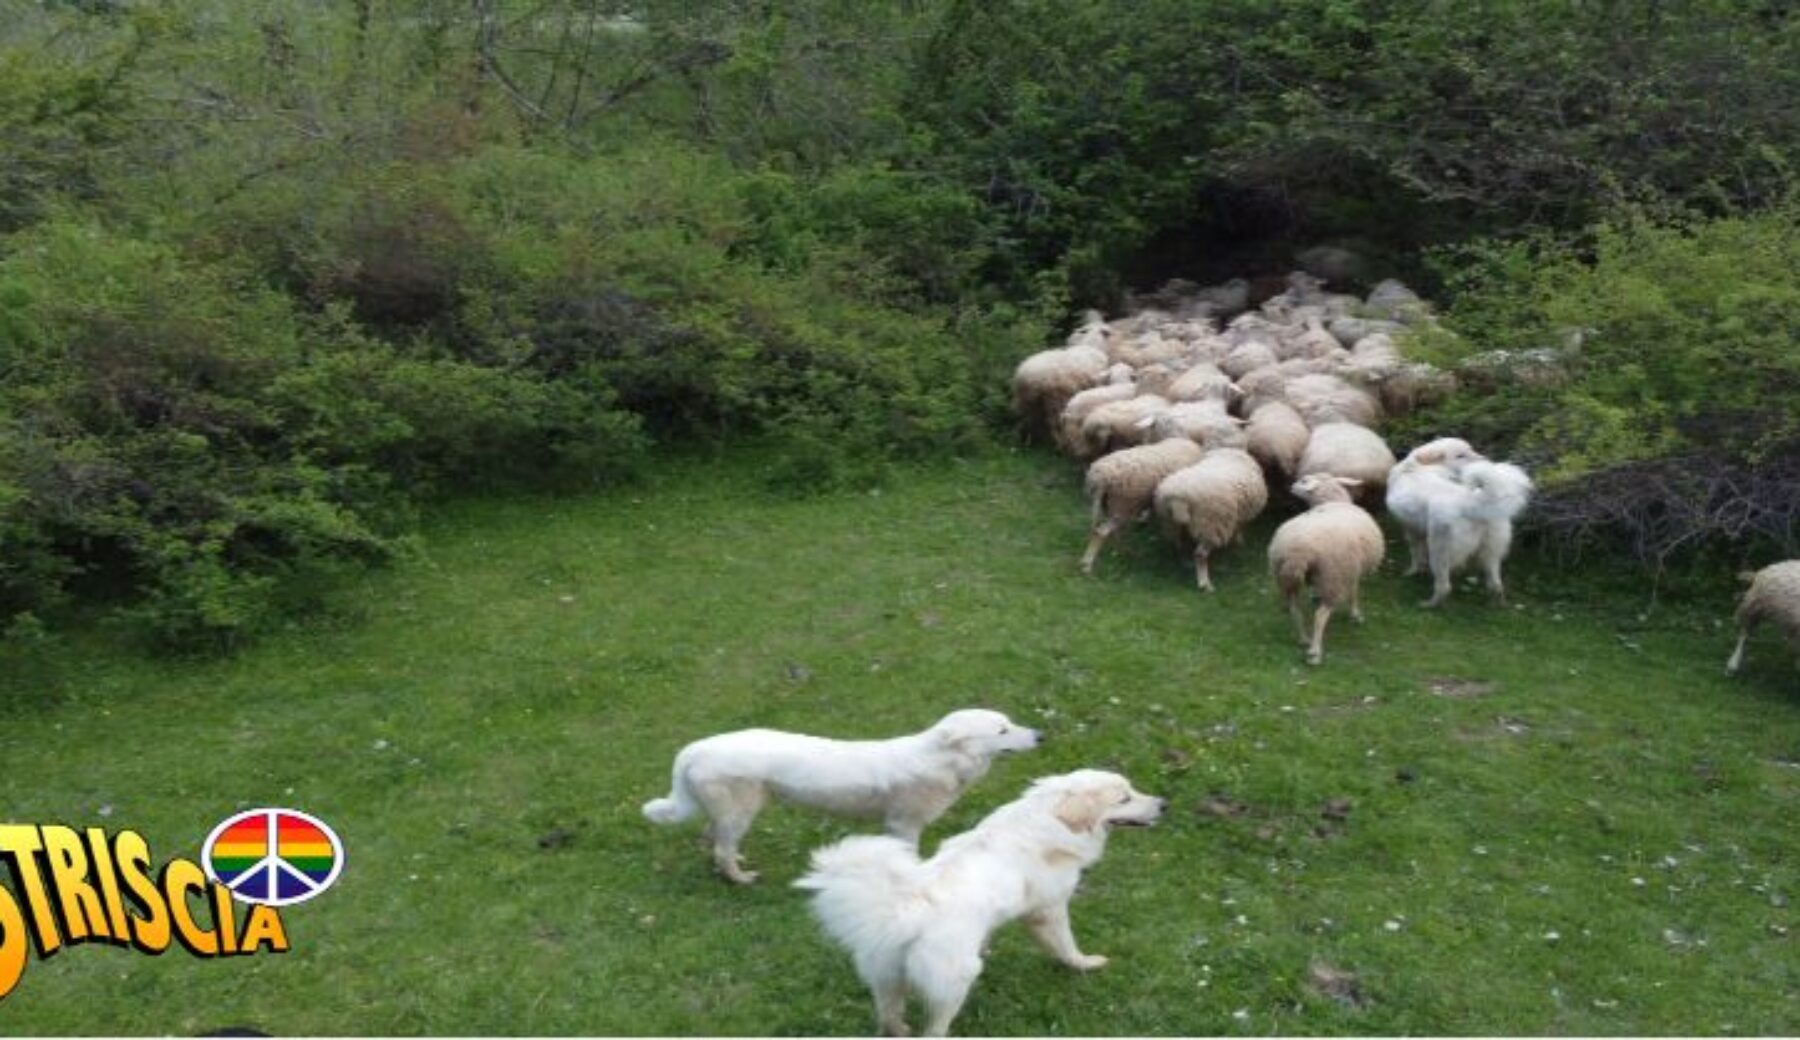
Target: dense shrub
(174, 427)
(1654, 375)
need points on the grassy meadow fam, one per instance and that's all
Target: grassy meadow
(1553, 817)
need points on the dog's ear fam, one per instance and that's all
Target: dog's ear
(1080, 811)
(1431, 457)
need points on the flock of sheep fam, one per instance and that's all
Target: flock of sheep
(1179, 417)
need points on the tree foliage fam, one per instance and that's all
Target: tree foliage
(272, 273)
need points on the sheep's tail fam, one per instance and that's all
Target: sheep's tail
(1501, 489)
(867, 892)
(680, 804)
(1292, 572)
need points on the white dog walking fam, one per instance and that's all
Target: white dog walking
(919, 927)
(1461, 507)
(908, 781)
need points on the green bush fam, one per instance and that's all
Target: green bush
(1651, 369)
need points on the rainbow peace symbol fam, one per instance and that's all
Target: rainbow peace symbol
(276, 857)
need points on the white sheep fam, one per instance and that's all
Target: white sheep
(1773, 595)
(1044, 382)
(1116, 424)
(1351, 331)
(1122, 486)
(1277, 437)
(1210, 502)
(1414, 385)
(1118, 387)
(1207, 423)
(1148, 349)
(1343, 449)
(1246, 357)
(1321, 397)
(1330, 548)
(1392, 300)
(1203, 381)
(1309, 341)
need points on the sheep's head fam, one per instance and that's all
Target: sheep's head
(1162, 426)
(1318, 488)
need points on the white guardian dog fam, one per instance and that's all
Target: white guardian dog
(919, 927)
(1457, 506)
(907, 781)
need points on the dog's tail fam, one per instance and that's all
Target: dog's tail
(867, 893)
(680, 805)
(1501, 489)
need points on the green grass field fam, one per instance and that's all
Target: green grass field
(1555, 817)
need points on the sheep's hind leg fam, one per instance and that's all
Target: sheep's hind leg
(1299, 616)
(1737, 655)
(1315, 652)
(1102, 531)
(1202, 576)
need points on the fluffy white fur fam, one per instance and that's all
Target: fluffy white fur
(919, 927)
(1468, 516)
(907, 781)
(1410, 486)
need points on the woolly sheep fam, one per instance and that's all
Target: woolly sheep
(1277, 437)
(1331, 547)
(1343, 449)
(1228, 298)
(1204, 381)
(1247, 357)
(1119, 387)
(1351, 331)
(1122, 486)
(1392, 300)
(1310, 341)
(1270, 383)
(1324, 398)
(1774, 595)
(1116, 424)
(1414, 385)
(1210, 502)
(1044, 382)
(1207, 423)
(1148, 349)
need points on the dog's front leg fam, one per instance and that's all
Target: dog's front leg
(1051, 929)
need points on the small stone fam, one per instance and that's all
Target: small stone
(1391, 925)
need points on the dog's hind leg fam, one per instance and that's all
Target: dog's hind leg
(886, 977)
(941, 973)
(1493, 553)
(732, 806)
(1415, 547)
(1443, 565)
(1052, 931)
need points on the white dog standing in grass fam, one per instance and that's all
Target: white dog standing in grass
(919, 927)
(1459, 507)
(907, 781)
